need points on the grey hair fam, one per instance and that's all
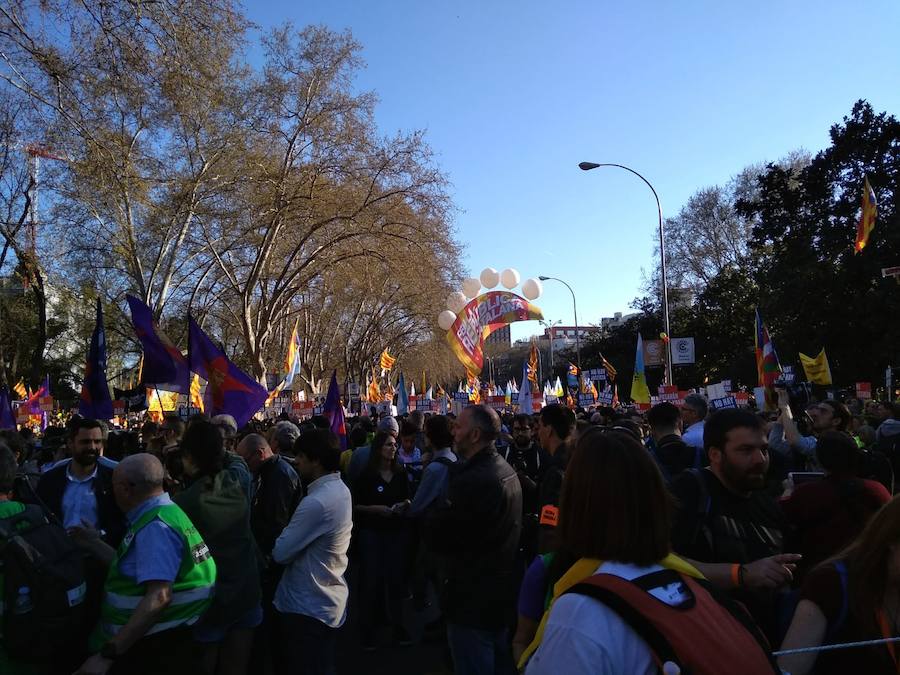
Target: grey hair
(143, 470)
(697, 403)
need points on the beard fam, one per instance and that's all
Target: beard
(745, 480)
(522, 442)
(86, 457)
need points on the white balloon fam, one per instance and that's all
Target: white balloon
(456, 301)
(509, 278)
(489, 277)
(532, 289)
(446, 319)
(470, 287)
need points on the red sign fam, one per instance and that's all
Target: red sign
(46, 403)
(118, 407)
(864, 390)
(496, 402)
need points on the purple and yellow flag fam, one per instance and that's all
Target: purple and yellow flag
(95, 402)
(163, 364)
(229, 390)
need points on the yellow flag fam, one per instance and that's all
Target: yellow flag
(817, 369)
(640, 393)
(196, 398)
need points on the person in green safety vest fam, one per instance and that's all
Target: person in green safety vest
(161, 580)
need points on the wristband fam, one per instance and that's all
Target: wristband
(736, 575)
(741, 575)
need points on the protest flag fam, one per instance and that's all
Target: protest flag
(334, 411)
(229, 390)
(291, 364)
(866, 218)
(572, 375)
(532, 373)
(196, 398)
(525, 397)
(402, 396)
(640, 393)
(95, 402)
(7, 418)
(817, 369)
(20, 389)
(767, 366)
(387, 361)
(162, 365)
(610, 371)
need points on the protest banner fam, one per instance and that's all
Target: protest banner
(481, 317)
(864, 391)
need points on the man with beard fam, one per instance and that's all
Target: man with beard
(528, 459)
(727, 524)
(78, 491)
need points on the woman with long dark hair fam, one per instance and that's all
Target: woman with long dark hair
(855, 596)
(217, 506)
(383, 538)
(627, 604)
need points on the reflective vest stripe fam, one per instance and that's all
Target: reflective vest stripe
(117, 601)
(112, 629)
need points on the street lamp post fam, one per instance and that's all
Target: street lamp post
(587, 166)
(575, 310)
(549, 326)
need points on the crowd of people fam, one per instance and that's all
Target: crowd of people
(569, 541)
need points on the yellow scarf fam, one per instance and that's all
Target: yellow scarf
(580, 571)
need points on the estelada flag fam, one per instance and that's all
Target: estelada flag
(387, 361)
(817, 369)
(20, 389)
(610, 371)
(533, 364)
(867, 217)
(229, 390)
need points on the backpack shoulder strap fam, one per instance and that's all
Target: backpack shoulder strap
(28, 519)
(659, 645)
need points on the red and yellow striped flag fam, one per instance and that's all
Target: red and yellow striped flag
(20, 389)
(533, 364)
(867, 217)
(387, 361)
(196, 398)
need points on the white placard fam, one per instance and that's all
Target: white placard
(682, 351)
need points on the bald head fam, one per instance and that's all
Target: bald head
(137, 478)
(254, 449)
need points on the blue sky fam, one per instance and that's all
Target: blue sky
(514, 94)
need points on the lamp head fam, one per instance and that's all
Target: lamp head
(587, 166)
(543, 278)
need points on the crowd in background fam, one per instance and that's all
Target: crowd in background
(586, 541)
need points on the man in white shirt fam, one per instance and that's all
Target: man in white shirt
(312, 596)
(693, 420)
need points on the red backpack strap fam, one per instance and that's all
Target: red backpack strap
(660, 646)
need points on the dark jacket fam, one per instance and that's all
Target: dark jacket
(549, 491)
(274, 500)
(477, 534)
(111, 520)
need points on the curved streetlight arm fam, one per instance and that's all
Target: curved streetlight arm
(575, 311)
(587, 166)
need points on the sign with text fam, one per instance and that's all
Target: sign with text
(654, 353)
(788, 374)
(585, 400)
(722, 403)
(864, 391)
(605, 398)
(496, 402)
(682, 351)
(596, 374)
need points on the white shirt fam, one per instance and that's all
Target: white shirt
(693, 435)
(314, 548)
(584, 636)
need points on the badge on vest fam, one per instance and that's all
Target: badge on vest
(200, 552)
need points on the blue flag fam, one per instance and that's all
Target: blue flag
(525, 398)
(95, 402)
(164, 367)
(334, 411)
(229, 390)
(7, 419)
(402, 397)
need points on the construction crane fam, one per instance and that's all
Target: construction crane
(35, 153)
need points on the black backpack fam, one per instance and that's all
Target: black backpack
(43, 585)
